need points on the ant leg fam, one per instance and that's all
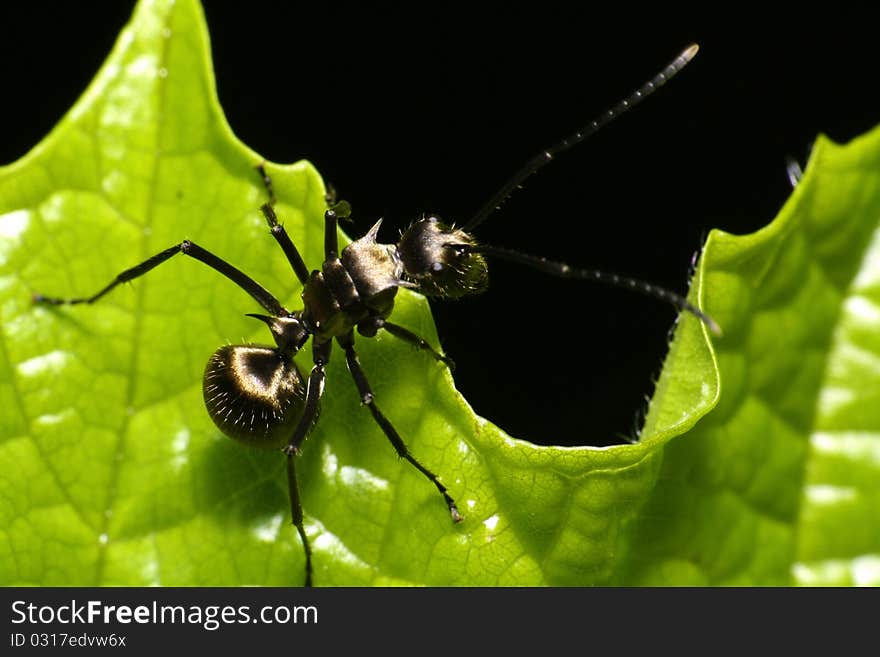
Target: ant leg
(314, 391)
(267, 182)
(408, 336)
(363, 386)
(293, 256)
(330, 197)
(296, 514)
(340, 210)
(335, 210)
(331, 241)
(370, 326)
(193, 250)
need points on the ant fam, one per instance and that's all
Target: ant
(257, 395)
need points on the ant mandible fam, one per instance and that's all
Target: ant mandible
(257, 395)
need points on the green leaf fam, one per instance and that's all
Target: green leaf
(780, 484)
(113, 474)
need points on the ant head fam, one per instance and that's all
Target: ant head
(441, 260)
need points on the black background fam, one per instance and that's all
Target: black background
(430, 108)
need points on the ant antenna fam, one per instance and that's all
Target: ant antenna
(544, 157)
(563, 270)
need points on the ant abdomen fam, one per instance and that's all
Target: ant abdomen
(254, 394)
(440, 259)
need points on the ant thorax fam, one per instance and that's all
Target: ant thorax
(347, 291)
(359, 286)
(375, 268)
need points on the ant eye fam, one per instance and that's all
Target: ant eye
(437, 267)
(254, 394)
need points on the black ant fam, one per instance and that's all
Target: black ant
(257, 395)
